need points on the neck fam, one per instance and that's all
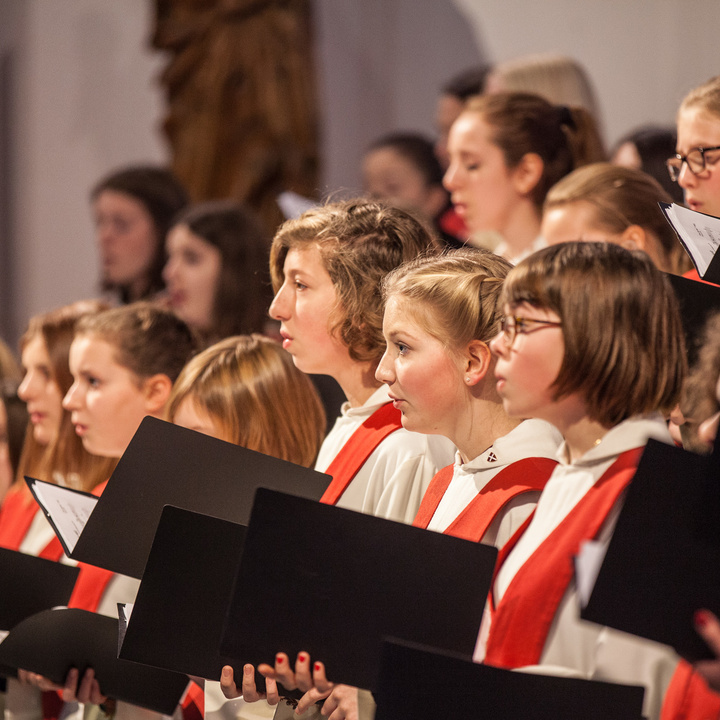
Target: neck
(581, 436)
(358, 382)
(482, 424)
(522, 228)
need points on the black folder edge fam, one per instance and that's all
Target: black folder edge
(712, 274)
(128, 683)
(696, 648)
(231, 638)
(31, 482)
(410, 675)
(54, 581)
(93, 539)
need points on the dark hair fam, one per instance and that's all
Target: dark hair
(467, 83)
(624, 344)
(162, 195)
(17, 424)
(244, 292)
(417, 149)
(522, 123)
(654, 145)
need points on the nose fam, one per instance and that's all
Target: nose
(280, 306)
(450, 177)
(498, 345)
(27, 387)
(169, 271)
(686, 177)
(71, 401)
(385, 372)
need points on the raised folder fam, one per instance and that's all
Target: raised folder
(165, 464)
(662, 561)
(334, 583)
(54, 641)
(417, 683)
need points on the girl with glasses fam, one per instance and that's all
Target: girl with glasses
(600, 356)
(695, 166)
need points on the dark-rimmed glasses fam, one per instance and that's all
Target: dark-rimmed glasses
(512, 325)
(695, 160)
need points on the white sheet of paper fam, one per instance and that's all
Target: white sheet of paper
(699, 233)
(294, 205)
(587, 567)
(68, 509)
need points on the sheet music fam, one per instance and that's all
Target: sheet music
(67, 510)
(699, 233)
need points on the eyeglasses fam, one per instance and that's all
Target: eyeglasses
(511, 326)
(695, 160)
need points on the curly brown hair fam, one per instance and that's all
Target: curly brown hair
(360, 241)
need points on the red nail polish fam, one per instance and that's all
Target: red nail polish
(302, 657)
(317, 667)
(279, 659)
(701, 618)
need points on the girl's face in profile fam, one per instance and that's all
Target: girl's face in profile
(107, 401)
(40, 392)
(192, 273)
(304, 305)
(424, 377)
(527, 368)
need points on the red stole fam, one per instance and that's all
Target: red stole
(358, 448)
(16, 516)
(522, 620)
(528, 474)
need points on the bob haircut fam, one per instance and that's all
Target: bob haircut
(624, 344)
(360, 241)
(250, 387)
(65, 459)
(417, 150)
(243, 292)
(621, 197)
(148, 339)
(705, 97)
(163, 197)
(521, 123)
(455, 297)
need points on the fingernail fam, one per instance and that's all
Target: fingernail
(279, 659)
(248, 669)
(701, 618)
(318, 666)
(302, 657)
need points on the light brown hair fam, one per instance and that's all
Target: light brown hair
(521, 123)
(360, 241)
(65, 458)
(251, 388)
(455, 296)
(705, 96)
(622, 197)
(148, 339)
(624, 345)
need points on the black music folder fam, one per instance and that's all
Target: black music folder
(31, 584)
(54, 641)
(418, 683)
(169, 465)
(661, 563)
(179, 612)
(334, 583)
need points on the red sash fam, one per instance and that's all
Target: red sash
(521, 623)
(358, 448)
(16, 516)
(526, 475)
(688, 697)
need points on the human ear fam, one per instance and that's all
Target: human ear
(156, 390)
(527, 173)
(634, 237)
(478, 360)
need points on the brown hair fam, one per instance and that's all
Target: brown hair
(250, 386)
(521, 123)
(455, 296)
(360, 241)
(622, 197)
(65, 457)
(705, 96)
(624, 345)
(148, 339)
(243, 291)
